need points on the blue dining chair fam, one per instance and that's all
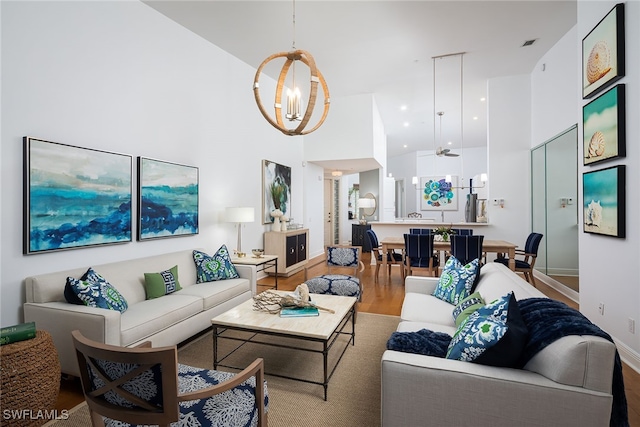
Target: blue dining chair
(418, 253)
(467, 248)
(420, 231)
(392, 256)
(462, 231)
(530, 252)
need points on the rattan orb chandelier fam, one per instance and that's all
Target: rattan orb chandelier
(294, 110)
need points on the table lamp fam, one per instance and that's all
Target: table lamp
(240, 215)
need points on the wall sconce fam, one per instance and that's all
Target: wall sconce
(240, 215)
(415, 182)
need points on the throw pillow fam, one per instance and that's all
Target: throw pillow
(493, 335)
(216, 267)
(163, 283)
(93, 290)
(456, 280)
(467, 306)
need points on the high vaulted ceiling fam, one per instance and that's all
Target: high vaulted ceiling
(386, 48)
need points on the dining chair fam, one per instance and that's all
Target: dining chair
(467, 248)
(145, 385)
(393, 257)
(420, 231)
(418, 253)
(338, 259)
(529, 253)
(462, 231)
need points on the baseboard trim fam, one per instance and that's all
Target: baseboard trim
(628, 356)
(552, 283)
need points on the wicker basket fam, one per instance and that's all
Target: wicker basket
(30, 380)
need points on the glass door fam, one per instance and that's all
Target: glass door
(554, 192)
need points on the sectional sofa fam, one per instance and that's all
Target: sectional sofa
(166, 320)
(567, 383)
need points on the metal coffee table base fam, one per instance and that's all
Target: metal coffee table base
(220, 332)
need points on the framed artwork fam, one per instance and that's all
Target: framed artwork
(167, 199)
(438, 194)
(603, 121)
(74, 197)
(276, 190)
(603, 53)
(604, 201)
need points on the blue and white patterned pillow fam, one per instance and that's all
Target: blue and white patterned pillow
(456, 280)
(493, 335)
(93, 290)
(216, 267)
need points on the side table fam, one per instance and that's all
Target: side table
(30, 378)
(261, 263)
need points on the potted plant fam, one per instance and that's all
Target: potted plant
(443, 233)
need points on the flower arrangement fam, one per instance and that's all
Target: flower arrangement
(444, 232)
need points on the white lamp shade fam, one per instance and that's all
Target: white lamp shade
(240, 214)
(366, 203)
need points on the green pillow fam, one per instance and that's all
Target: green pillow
(467, 306)
(163, 283)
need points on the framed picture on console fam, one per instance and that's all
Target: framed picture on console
(603, 60)
(74, 197)
(604, 201)
(276, 190)
(603, 121)
(167, 199)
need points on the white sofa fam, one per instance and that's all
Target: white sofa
(167, 320)
(568, 383)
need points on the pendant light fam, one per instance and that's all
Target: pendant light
(294, 96)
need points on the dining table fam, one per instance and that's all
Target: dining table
(488, 245)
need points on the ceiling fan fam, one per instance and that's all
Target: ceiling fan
(445, 152)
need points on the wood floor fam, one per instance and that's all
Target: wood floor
(382, 297)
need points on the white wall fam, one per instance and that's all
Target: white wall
(509, 142)
(608, 266)
(555, 96)
(120, 77)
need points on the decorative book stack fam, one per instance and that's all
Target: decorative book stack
(299, 311)
(15, 333)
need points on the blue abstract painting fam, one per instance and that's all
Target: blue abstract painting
(167, 199)
(74, 197)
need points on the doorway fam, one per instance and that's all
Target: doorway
(331, 211)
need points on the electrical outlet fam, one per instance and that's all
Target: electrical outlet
(632, 325)
(601, 309)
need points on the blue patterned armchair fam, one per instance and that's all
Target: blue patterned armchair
(126, 386)
(344, 259)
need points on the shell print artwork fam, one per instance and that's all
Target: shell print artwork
(599, 62)
(594, 213)
(596, 145)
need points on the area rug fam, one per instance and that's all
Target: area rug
(354, 389)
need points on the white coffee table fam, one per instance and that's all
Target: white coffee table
(324, 329)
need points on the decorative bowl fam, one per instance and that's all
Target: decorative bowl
(257, 252)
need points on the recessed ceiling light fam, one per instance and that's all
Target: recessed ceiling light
(403, 107)
(483, 99)
(475, 118)
(406, 124)
(404, 146)
(449, 143)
